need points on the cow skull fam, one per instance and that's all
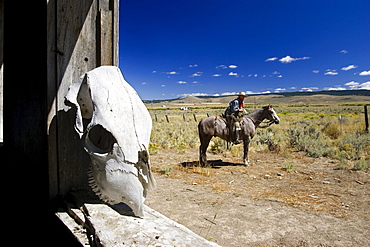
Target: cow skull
(115, 128)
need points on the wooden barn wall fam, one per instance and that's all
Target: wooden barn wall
(81, 35)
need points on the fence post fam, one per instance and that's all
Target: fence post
(183, 116)
(167, 119)
(195, 118)
(156, 119)
(366, 119)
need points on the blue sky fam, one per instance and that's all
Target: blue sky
(174, 48)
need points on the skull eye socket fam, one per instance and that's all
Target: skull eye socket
(99, 140)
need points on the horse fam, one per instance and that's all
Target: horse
(217, 126)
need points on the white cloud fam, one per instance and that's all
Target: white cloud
(195, 82)
(228, 93)
(163, 85)
(289, 59)
(280, 76)
(331, 73)
(276, 73)
(349, 67)
(309, 89)
(357, 85)
(352, 84)
(232, 66)
(365, 73)
(301, 58)
(154, 71)
(233, 73)
(197, 74)
(315, 71)
(216, 75)
(181, 82)
(172, 73)
(193, 65)
(271, 59)
(144, 83)
(365, 85)
(336, 88)
(251, 92)
(278, 90)
(265, 92)
(343, 51)
(246, 92)
(194, 94)
(221, 67)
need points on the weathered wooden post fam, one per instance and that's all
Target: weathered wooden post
(81, 35)
(156, 119)
(195, 117)
(366, 119)
(183, 116)
(167, 119)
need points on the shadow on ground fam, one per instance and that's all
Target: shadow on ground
(211, 163)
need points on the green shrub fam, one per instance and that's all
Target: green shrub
(354, 145)
(363, 165)
(288, 167)
(311, 141)
(332, 130)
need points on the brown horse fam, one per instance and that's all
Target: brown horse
(215, 126)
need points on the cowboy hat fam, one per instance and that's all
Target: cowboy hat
(241, 94)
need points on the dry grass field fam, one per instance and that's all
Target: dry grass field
(316, 161)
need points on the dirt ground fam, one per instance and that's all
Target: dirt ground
(277, 201)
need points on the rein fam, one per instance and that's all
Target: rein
(258, 122)
(268, 124)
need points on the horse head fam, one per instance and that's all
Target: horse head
(271, 115)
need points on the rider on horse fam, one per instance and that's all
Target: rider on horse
(232, 116)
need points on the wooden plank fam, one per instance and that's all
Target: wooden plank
(114, 7)
(106, 37)
(76, 44)
(78, 231)
(114, 229)
(72, 50)
(51, 102)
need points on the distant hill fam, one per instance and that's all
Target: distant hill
(321, 97)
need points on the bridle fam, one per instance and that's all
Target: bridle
(258, 122)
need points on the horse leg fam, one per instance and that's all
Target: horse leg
(204, 141)
(246, 148)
